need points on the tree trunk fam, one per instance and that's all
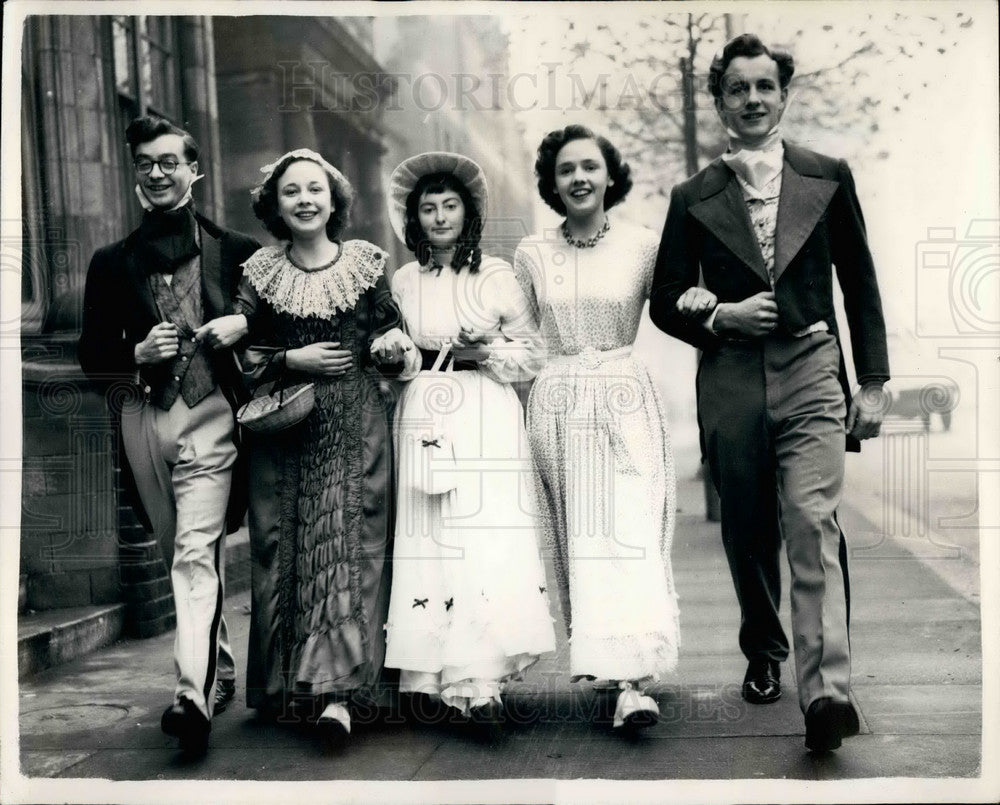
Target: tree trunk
(690, 119)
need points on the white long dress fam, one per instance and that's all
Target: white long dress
(468, 607)
(599, 437)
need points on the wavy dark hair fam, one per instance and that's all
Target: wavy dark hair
(545, 166)
(148, 127)
(748, 45)
(467, 247)
(265, 203)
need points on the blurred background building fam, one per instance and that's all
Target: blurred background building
(248, 89)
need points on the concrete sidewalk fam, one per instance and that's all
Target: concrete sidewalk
(917, 684)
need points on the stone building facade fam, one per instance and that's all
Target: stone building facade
(248, 89)
(83, 78)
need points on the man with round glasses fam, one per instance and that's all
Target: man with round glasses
(167, 165)
(159, 311)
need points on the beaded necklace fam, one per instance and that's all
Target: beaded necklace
(301, 267)
(590, 242)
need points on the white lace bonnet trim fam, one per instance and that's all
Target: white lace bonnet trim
(298, 153)
(315, 293)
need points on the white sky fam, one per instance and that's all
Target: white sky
(942, 164)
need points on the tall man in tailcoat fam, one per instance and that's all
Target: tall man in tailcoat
(762, 228)
(159, 311)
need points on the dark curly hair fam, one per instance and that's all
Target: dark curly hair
(148, 127)
(265, 202)
(748, 45)
(467, 247)
(545, 166)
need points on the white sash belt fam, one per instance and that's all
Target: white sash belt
(590, 358)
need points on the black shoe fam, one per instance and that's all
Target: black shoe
(225, 691)
(423, 709)
(762, 683)
(828, 722)
(334, 727)
(487, 721)
(185, 722)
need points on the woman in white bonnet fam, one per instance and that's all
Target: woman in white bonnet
(469, 607)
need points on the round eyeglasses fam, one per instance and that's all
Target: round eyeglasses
(167, 165)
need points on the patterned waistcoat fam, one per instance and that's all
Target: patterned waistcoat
(180, 302)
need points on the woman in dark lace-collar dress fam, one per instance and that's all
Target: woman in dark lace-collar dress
(320, 520)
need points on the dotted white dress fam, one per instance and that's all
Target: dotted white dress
(598, 433)
(468, 607)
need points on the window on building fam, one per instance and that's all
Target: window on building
(147, 80)
(146, 70)
(123, 35)
(158, 65)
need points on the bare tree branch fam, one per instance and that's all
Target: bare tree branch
(868, 47)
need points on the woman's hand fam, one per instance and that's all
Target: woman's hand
(390, 347)
(324, 358)
(696, 302)
(223, 331)
(470, 345)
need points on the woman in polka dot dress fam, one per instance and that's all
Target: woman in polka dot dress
(598, 430)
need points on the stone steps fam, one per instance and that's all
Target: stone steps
(55, 636)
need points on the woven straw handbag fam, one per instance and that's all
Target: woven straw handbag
(277, 411)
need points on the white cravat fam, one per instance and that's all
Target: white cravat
(756, 164)
(147, 206)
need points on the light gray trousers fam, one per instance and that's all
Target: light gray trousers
(182, 460)
(772, 413)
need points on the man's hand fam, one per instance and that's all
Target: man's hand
(223, 331)
(864, 419)
(324, 358)
(470, 346)
(391, 346)
(754, 316)
(160, 344)
(696, 302)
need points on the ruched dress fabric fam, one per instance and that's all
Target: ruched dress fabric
(469, 606)
(320, 494)
(599, 437)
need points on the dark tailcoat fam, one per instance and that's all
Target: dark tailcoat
(119, 309)
(819, 226)
(771, 408)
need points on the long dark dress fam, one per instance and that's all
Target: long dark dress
(320, 516)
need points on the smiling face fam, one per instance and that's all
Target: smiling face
(304, 200)
(441, 216)
(752, 100)
(165, 191)
(581, 176)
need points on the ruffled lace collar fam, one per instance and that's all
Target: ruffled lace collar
(320, 293)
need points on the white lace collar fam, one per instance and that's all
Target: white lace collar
(321, 293)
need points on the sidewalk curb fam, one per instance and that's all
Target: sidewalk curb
(85, 629)
(56, 636)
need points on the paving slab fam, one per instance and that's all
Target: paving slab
(902, 756)
(576, 753)
(922, 709)
(922, 653)
(917, 685)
